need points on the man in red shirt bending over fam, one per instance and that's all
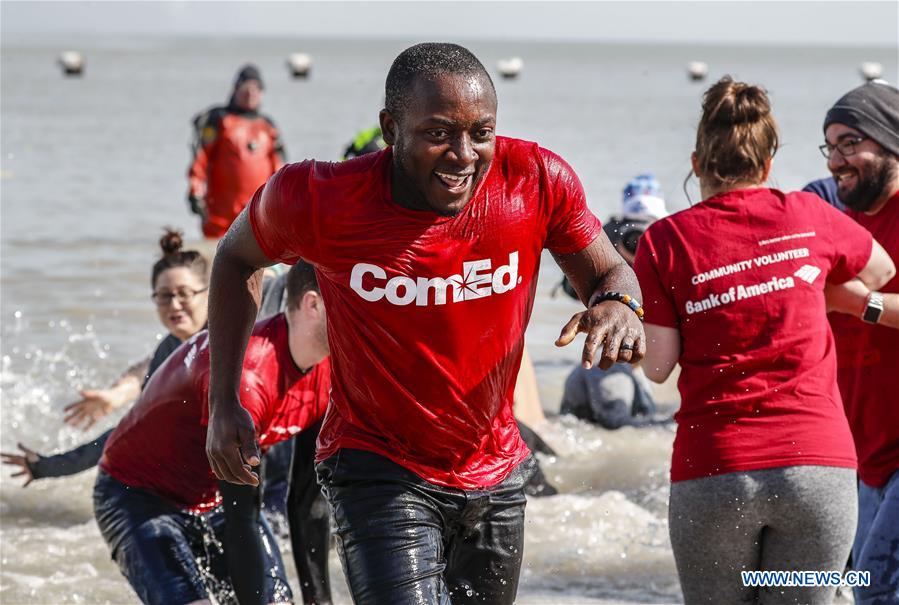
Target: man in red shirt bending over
(427, 255)
(156, 501)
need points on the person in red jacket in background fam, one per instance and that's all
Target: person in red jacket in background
(236, 149)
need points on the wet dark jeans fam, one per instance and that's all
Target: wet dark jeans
(170, 556)
(404, 540)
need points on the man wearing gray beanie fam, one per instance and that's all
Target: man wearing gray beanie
(861, 133)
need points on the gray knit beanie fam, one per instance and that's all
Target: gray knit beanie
(872, 109)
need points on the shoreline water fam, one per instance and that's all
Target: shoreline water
(93, 168)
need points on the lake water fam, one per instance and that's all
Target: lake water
(92, 168)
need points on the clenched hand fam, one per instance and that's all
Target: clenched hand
(231, 445)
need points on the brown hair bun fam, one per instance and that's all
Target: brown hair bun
(737, 135)
(173, 256)
(171, 242)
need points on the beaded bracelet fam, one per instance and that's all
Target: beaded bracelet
(627, 299)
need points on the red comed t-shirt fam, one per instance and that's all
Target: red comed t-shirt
(868, 367)
(160, 445)
(426, 313)
(741, 276)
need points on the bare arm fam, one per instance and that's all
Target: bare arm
(95, 404)
(593, 271)
(852, 296)
(879, 270)
(234, 297)
(663, 349)
(526, 400)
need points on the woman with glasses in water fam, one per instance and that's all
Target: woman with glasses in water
(763, 468)
(180, 284)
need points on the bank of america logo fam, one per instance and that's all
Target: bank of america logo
(808, 273)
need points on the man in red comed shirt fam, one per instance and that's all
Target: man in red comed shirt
(156, 500)
(427, 255)
(861, 133)
(236, 149)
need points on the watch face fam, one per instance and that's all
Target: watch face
(874, 308)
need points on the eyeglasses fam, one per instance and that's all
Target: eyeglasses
(846, 147)
(184, 296)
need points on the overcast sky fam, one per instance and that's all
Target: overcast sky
(800, 22)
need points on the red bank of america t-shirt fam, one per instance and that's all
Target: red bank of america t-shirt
(741, 276)
(160, 445)
(426, 314)
(868, 367)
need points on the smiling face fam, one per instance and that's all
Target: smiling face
(443, 142)
(866, 178)
(183, 319)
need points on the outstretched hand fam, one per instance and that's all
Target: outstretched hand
(231, 445)
(92, 406)
(21, 461)
(612, 325)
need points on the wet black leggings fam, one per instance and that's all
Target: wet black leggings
(307, 513)
(404, 540)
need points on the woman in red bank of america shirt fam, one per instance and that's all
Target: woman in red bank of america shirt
(763, 470)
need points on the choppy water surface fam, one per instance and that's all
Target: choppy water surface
(93, 167)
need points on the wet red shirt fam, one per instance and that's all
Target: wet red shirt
(868, 367)
(741, 276)
(426, 313)
(160, 445)
(235, 154)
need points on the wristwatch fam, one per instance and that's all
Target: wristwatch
(873, 308)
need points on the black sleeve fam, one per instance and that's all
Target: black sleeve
(83, 457)
(280, 149)
(162, 352)
(211, 117)
(310, 525)
(243, 544)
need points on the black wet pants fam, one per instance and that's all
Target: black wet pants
(404, 540)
